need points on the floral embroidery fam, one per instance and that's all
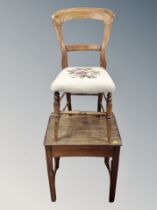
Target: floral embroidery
(83, 72)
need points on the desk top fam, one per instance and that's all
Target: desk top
(83, 130)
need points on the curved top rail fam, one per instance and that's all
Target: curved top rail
(101, 14)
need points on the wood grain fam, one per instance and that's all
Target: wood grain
(109, 105)
(50, 171)
(83, 130)
(101, 14)
(82, 47)
(99, 137)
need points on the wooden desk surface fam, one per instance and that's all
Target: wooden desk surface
(83, 130)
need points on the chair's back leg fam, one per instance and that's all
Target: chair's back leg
(109, 105)
(99, 102)
(68, 96)
(56, 113)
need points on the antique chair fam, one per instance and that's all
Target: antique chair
(83, 80)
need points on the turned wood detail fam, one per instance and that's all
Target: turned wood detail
(56, 113)
(109, 105)
(101, 14)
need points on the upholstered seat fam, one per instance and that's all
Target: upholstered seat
(86, 80)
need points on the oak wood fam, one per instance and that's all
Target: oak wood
(99, 137)
(82, 150)
(76, 133)
(94, 131)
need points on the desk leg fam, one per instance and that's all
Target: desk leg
(114, 173)
(56, 159)
(51, 173)
(107, 163)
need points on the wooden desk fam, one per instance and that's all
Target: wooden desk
(83, 135)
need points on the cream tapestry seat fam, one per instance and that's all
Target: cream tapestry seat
(85, 80)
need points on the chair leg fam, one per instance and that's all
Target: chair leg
(56, 113)
(68, 96)
(99, 102)
(109, 106)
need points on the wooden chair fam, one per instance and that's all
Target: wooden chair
(83, 80)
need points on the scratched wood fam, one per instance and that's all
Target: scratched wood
(83, 130)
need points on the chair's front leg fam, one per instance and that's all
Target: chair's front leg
(56, 113)
(109, 106)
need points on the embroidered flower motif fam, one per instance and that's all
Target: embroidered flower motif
(83, 72)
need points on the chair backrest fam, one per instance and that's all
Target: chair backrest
(101, 14)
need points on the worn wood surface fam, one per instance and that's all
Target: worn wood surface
(83, 130)
(77, 112)
(83, 135)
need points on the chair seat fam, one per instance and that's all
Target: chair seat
(85, 80)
